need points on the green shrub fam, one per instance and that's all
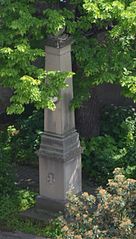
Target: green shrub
(120, 123)
(115, 147)
(7, 178)
(23, 138)
(26, 199)
(26, 139)
(10, 208)
(100, 156)
(7, 174)
(12, 205)
(113, 216)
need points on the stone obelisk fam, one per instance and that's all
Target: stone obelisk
(60, 153)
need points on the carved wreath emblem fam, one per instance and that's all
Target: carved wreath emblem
(51, 178)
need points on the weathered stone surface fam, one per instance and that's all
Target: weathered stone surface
(38, 213)
(59, 41)
(60, 152)
(62, 119)
(53, 206)
(60, 147)
(57, 179)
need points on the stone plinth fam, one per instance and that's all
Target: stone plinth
(60, 168)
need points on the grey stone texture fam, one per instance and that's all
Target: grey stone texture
(62, 119)
(60, 40)
(60, 153)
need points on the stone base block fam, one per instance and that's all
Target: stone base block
(45, 210)
(59, 167)
(37, 214)
(53, 206)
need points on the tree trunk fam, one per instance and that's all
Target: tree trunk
(88, 117)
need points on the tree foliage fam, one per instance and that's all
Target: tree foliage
(104, 49)
(21, 34)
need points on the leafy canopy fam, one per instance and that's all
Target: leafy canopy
(104, 49)
(22, 31)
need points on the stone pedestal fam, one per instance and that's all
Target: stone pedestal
(60, 153)
(60, 169)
